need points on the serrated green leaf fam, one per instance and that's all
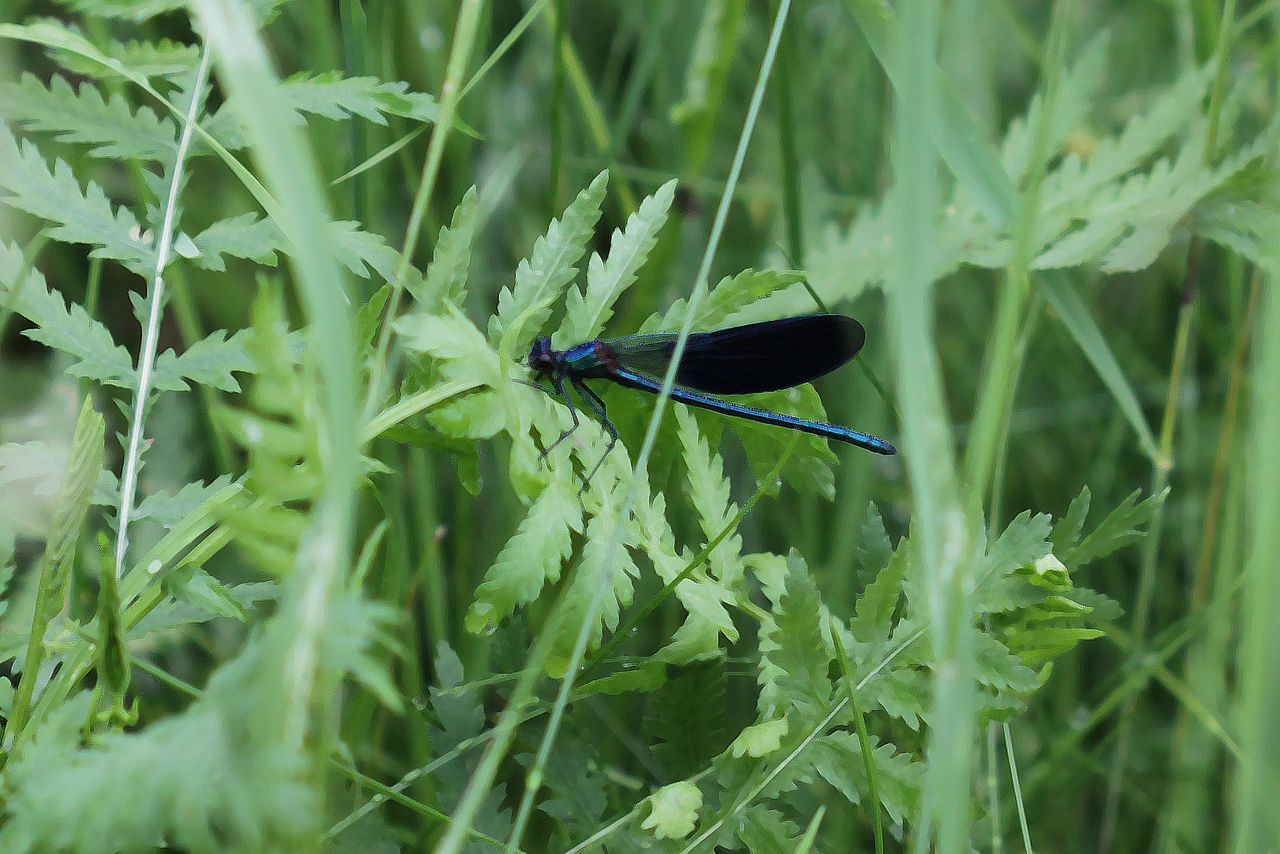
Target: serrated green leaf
(760, 739)
(174, 614)
(684, 721)
(1023, 542)
(837, 757)
(446, 278)
(766, 831)
(530, 559)
(332, 96)
(243, 236)
(872, 623)
(459, 717)
(525, 307)
(586, 314)
(110, 126)
(673, 810)
(600, 565)
(794, 660)
(149, 58)
(78, 216)
(211, 361)
(709, 491)
(742, 292)
(1066, 533)
(1000, 669)
(133, 10)
(70, 330)
(1121, 527)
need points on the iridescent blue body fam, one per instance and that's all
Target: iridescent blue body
(758, 357)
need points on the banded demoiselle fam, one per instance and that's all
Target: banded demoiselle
(758, 357)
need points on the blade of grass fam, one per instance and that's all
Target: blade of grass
(940, 528)
(1255, 819)
(150, 347)
(305, 687)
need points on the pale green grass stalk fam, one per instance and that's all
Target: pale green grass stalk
(304, 686)
(155, 310)
(995, 401)
(1255, 820)
(939, 525)
(460, 50)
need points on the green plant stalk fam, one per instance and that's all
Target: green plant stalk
(354, 29)
(556, 108)
(298, 705)
(942, 535)
(995, 400)
(464, 38)
(791, 210)
(1256, 822)
(1164, 460)
(596, 124)
(864, 740)
(1147, 568)
(1017, 788)
(155, 308)
(84, 464)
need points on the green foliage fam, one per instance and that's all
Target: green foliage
(731, 626)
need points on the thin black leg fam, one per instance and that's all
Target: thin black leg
(593, 400)
(560, 392)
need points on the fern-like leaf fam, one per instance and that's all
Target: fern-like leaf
(446, 277)
(541, 278)
(78, 216)
(110, 126)
(586, 313)
(530, 559)
(95, 354)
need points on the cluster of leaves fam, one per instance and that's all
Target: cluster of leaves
(1111, 202)
(816, 675)
(61, 744)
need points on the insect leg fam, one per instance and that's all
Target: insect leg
(597, 405)
(560, 392)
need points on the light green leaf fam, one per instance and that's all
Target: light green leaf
(738, 298)
(79, 216)
(599, 565)
(709, 494)
(446, 278)
(793, 656)
(95, 354)
(243, 236)
(674, 810)
(530, 559)
(211, 361)
(540, 279)
(760, 739)
(109, 125)
(586, 315)
(155, 57)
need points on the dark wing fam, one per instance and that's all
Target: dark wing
(757, 357)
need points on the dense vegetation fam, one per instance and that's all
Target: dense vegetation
(285, 567)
